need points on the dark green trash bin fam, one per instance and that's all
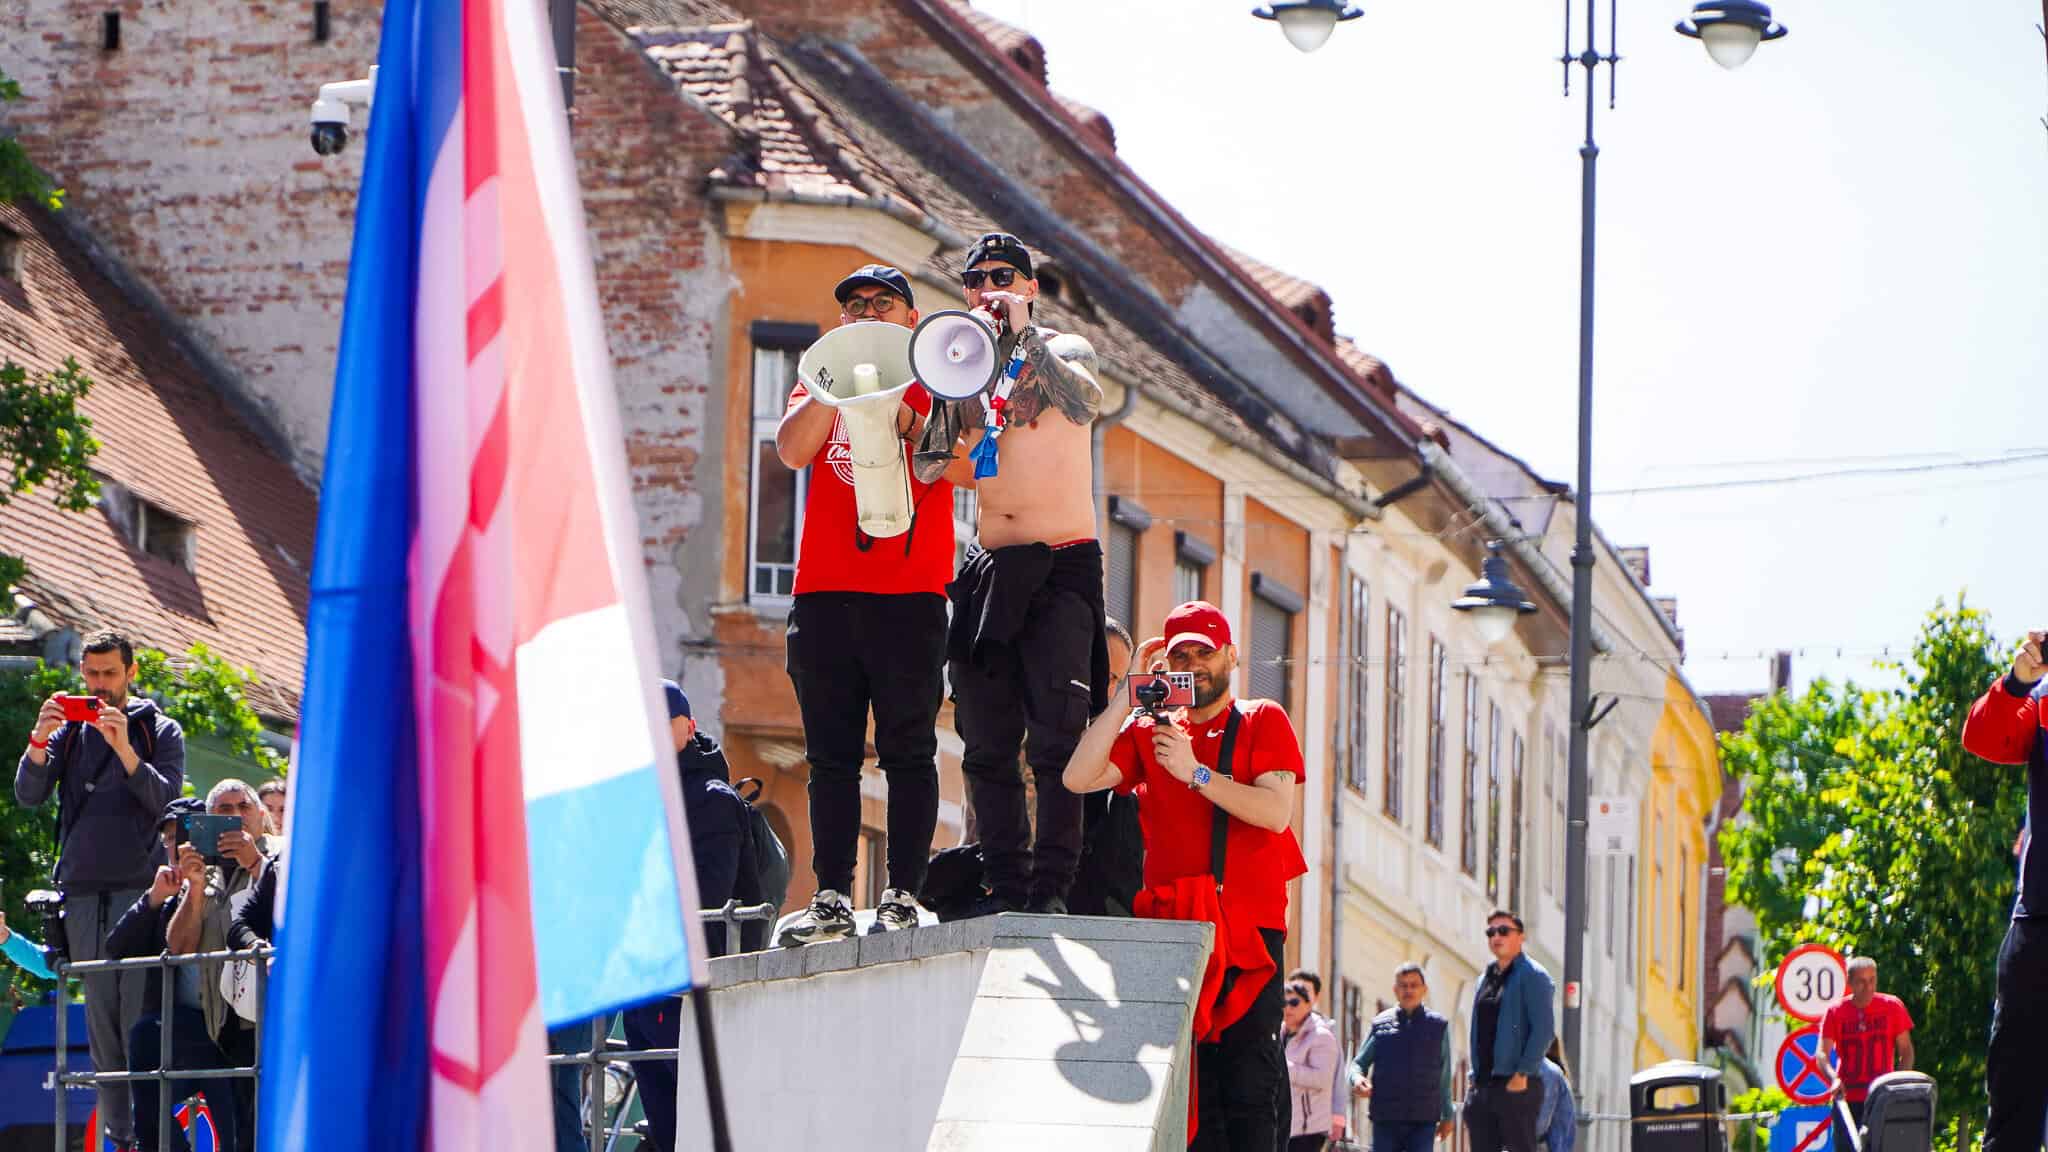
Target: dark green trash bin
(1678, 1106)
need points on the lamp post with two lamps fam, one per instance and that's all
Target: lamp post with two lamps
(1730, 30)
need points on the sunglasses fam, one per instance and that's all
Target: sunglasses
(1294, 1002)
(973, 278)
(1501, 930)
(880, 304)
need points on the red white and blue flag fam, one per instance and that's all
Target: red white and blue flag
(487, 833)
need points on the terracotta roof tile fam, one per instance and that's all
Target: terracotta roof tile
(1019, 45)
(167, 434)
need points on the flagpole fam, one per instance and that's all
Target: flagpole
(714, 1083)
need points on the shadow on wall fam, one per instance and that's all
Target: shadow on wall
(1111, 1035)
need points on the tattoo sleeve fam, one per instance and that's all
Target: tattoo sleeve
(1058, 373)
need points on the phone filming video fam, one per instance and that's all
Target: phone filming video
(1158, 692)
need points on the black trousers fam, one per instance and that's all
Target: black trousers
(192, 1048)
(1034, 701)
(1498, 1118)
(656, 1025)
(850, 652)
(2015, 1074)
(1238, 1077)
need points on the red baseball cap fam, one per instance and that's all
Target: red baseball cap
(1197, 622)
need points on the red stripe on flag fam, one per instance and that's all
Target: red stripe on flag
(486, 316)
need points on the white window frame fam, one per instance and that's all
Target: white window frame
(763, 426)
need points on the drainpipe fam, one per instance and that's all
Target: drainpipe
(562, 23)
(1095, 437)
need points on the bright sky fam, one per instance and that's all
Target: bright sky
(1835, 257)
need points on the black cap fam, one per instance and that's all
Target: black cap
(182, 806)
(1001, 246)
(878, 275)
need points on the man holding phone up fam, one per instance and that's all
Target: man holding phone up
(2005, 727)
(1216, 784)
(113, 762)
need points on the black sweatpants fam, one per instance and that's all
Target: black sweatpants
(1498, 1118)
(850, 652)
(1239, 1103)
(1034, 697)
(2015, 1074)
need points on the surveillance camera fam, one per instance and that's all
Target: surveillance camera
(331, 111)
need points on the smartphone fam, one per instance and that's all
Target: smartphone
(203, 831)
(1159, 691)
(80, 709)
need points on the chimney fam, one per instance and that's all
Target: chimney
(1637, 561)
(1781, 672)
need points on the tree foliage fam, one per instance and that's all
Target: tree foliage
(20, 179)
(1865, 826)
(203, 693)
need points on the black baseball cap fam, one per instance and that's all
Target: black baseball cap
(1001, 246)
(879, 276)
(182, 806)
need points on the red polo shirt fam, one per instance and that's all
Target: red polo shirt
(1257, 864)
(1867, 1039)
(835, 556)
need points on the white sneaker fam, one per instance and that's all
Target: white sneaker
(897, 910)
(829, 917)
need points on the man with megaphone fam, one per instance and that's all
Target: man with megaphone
(1027, 656)
(867, 629)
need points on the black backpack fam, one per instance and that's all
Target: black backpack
(764, 866)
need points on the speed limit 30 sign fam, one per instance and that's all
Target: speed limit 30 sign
(1811, 979)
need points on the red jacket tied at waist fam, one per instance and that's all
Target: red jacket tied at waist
(1240, 948)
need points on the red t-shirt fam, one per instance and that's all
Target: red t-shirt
(830, 557)
(1866, 1039)
(1257, 864)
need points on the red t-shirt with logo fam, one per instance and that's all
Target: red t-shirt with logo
(1257, 864)
(834, 555)
(1866, 1039)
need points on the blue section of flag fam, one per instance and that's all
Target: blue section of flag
(605, 902)
(345, 1025)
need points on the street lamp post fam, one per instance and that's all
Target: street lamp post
(1730, 30)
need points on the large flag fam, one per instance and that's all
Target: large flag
(487, 830)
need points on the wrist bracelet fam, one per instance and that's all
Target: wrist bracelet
(38, 745)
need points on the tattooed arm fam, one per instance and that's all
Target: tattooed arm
(1059, 372)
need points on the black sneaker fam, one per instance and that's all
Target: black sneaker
(829, 917)
(990, 904)
(897, 910)
(1046, 906)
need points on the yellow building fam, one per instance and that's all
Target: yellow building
(1684, 791)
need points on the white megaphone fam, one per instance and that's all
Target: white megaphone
(862, 371)
(953, 354)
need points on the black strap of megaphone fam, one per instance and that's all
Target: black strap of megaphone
(864, 542)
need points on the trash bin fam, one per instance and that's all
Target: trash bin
(1898, 1116)
(1677, 1106)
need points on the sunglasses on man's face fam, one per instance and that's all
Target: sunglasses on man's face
(1294, 1002)
(973, 278)
(1501, 930)
(880, 304)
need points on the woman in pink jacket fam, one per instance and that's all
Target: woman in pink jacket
(1312, 1056)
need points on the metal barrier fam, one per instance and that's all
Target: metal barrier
(602, 1055)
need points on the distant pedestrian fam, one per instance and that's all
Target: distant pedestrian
(1312, 1056)
(1864, 1036)
(1404, 1067)
(1340, 1076)
(1512, 1026)
(1557, 1125)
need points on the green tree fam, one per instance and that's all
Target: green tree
(1866, 827)
(206, 695)
(44, 439)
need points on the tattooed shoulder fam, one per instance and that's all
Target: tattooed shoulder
(1062, 370)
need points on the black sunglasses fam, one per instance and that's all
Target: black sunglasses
(1000, 277)
(1294, 1002)
(1501, 930)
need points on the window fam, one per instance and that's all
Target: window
(1657, 892)
(10, 254)
(1192, 557)
(1492, 801)
(1357, 614)
(1127, 521)
(1393, 774)
(323, 26)
(1628, 937)
(776, 495)
(149, 527)
(1433, 822)
(1515, 827)
(1353, 1021)
(1612, 894)
(110, 32)
(1554, 791)
(1683, 958)
(1273, 610)
(1468, 822)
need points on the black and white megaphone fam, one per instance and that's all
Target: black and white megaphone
(862, 371)
(953, 354)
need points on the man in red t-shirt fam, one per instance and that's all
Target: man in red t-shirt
(867, 631)
(1177, 771)
(1864, 1037)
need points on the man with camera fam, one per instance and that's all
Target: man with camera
(1027, 656)
(113, 761)
(2005, 727)
(867, 632)
(1216, 779)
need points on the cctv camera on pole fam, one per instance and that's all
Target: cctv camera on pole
(331, 111)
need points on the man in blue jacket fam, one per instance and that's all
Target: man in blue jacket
(1512, 1026)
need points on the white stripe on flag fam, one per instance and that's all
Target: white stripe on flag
(580, 704)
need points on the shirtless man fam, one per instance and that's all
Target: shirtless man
(1026, 651)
